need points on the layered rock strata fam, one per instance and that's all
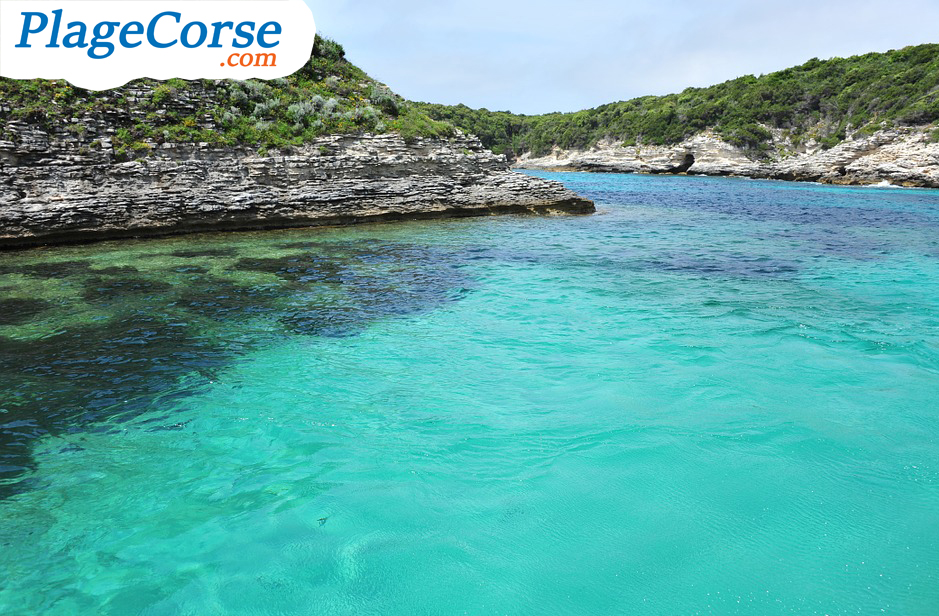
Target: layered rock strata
(55, 188)
(903, 157)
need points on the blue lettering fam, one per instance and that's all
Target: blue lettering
(151, 29)
(264, 32)
(126, 31)
(135, 33)
(217, 32)
(54, 39)
(43, 22)
(100, 39)
(203, 32)
(76, 39)
(248, 36)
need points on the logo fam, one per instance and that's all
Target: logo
(103, 44)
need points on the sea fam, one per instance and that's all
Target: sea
(714, 396)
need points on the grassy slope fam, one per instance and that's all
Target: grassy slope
(822, 100)
(328, 96)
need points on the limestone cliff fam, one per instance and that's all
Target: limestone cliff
(899, 156)
(50, 192)
(327, 145)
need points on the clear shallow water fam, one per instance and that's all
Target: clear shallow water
(714, 397)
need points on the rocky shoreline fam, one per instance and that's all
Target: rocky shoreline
(902, 157)
(54, 190)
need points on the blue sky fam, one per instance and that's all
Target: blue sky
(539, 56)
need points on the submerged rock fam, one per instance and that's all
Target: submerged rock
(15, 311)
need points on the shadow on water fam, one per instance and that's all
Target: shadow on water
(172, 321)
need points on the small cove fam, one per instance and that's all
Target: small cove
(714, 396)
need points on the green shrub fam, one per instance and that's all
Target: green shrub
(328, 95)
(412, 124)
(161, 94)
(385, 100)
(822, 96)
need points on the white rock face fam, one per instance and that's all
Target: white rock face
(66, 181)
(53, 191)
(905, 157)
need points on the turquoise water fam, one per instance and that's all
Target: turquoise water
(715, 396)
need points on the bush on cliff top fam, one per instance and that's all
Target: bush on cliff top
(824, 100)
(327, 96)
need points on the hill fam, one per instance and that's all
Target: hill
(821, 102)
(327, 145)
(329, 96)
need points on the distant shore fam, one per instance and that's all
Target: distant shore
(900, 157)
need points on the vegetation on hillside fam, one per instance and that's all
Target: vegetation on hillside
(822, 100)
(327, 96)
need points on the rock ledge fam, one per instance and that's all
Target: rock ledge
(902, 156)
(53, 191)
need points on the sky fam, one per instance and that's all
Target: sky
(534, 57)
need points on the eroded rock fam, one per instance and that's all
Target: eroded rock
(52, 189)
(902, 156)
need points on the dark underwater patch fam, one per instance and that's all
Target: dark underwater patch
(72, 380)
(204, 252)
(131, 362)
(367, 299)
(328, 323)
(97, 289)
(117, 270)
(48, 271)
(190, 269)
(16, 311)
(220, 303)
(301, 268)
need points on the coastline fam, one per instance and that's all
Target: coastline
(51, 193)
(904, 157)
